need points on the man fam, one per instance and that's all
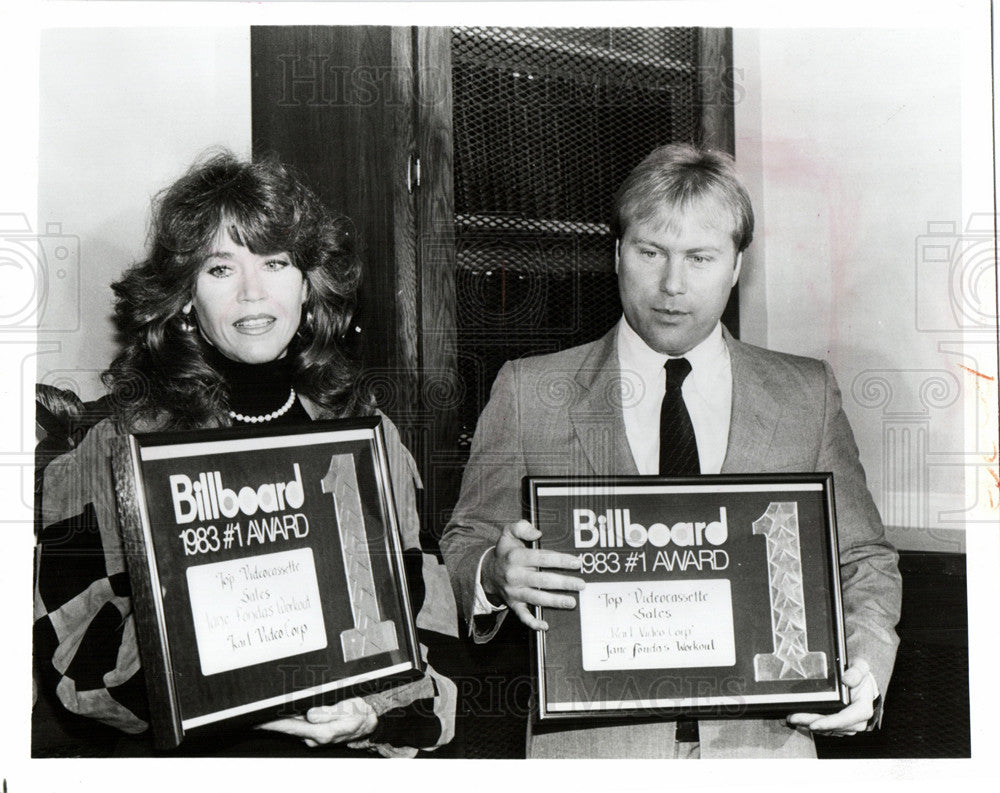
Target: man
(682, 221)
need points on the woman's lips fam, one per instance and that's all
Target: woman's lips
(255, 324)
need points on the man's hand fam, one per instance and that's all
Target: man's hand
(852, 719)
(348, 720)
(512, 573)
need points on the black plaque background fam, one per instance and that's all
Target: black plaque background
(565, 678)
(198, 694)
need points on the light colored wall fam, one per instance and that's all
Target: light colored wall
(123, 112)
(852, 143)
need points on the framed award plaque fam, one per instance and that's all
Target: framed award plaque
(709, 596)
(266, 568)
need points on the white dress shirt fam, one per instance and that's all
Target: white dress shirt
(707, 391)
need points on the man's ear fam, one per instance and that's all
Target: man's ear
(737, 267)
(618, 245)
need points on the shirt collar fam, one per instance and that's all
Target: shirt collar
(635, 355)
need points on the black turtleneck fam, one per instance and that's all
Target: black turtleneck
(257, 389)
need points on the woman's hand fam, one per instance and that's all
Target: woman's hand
(349, 720)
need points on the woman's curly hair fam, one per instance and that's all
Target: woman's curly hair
(161, 372)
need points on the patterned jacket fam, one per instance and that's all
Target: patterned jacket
(84, 634)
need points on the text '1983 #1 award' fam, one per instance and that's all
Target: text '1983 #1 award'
(711, 595)
(266, 569)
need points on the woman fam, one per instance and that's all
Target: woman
(237, 316)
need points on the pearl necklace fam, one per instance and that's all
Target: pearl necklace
(270, 416)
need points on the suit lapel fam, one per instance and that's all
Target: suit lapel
(754, 415)
(596, 415)
(597, 420)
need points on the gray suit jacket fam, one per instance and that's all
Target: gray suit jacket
(560, 414)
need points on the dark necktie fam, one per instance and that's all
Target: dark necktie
(678, 448)
(678, 457)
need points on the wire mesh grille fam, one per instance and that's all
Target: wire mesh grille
(547, 123)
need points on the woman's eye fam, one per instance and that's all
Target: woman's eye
(218, 270)
(276, 264)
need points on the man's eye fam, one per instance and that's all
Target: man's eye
(700, 259)
(648, 253)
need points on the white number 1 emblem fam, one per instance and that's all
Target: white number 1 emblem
(791, 658)
(371, 634)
